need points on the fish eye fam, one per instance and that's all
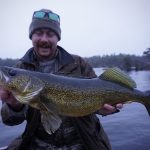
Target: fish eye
(12, 72)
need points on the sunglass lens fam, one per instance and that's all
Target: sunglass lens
(39, 14)
(54, 17)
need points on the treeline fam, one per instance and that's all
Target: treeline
(125, 62)
(8, 62)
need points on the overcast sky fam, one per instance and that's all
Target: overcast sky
(89, 27)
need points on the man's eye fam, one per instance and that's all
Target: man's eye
(38, 33)
(51, 33)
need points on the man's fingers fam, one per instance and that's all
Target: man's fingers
(4, 94)
(109, 107)
(119, 106)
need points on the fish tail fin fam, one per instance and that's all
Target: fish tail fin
(147, 106)
(147, 103)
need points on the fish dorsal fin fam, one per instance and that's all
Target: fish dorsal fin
(118, 76)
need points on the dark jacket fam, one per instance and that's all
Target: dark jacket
(88, 127)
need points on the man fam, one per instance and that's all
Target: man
(75, 133)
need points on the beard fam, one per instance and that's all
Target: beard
(45, 50)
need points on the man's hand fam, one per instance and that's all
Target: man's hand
(109, 109)
(8, 98)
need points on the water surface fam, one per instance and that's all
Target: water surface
(130, 128)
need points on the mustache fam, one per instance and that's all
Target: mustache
(44, 45)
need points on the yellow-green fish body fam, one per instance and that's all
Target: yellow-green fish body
(57, 95)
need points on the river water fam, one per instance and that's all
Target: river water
(127, 130)
(130, 128)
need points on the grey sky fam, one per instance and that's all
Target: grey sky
(89, 27)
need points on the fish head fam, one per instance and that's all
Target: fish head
(22, 83)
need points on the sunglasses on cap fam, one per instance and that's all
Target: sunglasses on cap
(49, 15)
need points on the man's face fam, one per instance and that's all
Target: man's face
(44, 42)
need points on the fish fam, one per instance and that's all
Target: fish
(57, 95)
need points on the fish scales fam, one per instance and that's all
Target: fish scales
(69, 95)
(57, 95)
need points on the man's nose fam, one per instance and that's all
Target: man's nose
(44, 38)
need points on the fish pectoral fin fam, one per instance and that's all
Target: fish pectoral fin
(118, 76)
(51, 122)
(49, 118)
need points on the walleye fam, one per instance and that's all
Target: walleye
(59, 95)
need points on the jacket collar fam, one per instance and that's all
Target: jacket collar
(63, 57)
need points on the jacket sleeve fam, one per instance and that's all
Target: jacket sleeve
(86, 69)
(11, 117)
